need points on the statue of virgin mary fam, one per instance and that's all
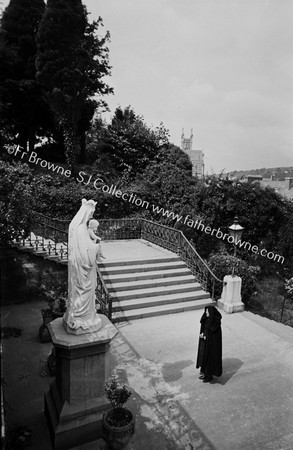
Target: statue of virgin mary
(81, 316)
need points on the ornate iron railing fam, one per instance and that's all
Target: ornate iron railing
(48, 235)
(198, 266)
(117, 229)
(175, 240)
(162, 235)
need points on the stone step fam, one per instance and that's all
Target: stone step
(168, 299)
(148, 275)
(63, 261)
(153, 311)
(132, 262)
(146, 267)
(55, 258)
(126, 286)
(41, 253)
(154, 291)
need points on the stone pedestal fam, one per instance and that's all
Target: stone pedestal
(75, 404)
(230, 300)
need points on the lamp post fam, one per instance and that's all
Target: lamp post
(235, 230)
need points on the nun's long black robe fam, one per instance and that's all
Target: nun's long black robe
(209, 355)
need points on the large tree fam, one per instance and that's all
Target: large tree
(22, 108)
(127, 144)
(71, 63)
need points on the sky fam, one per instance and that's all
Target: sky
(223, 68)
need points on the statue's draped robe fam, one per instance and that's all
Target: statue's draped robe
(82, 273)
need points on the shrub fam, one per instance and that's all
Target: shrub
(116, 394)
(15, 201)
(289, 287)
(222, 264)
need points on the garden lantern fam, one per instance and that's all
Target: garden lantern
(235, 230)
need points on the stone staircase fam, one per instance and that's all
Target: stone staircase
(57, 253)
(144, 288)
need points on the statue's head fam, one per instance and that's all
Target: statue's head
(90, 206)
(93, 224)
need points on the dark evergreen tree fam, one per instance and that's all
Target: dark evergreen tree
(22, 109)
(71, 63)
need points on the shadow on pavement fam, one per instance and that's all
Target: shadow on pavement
(230, 367)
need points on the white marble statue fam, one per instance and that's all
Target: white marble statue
(81, 316)
(93, 226)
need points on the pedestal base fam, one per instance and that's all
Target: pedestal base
(76, 402)
(230, 300)
(230, 308)
(75, 424)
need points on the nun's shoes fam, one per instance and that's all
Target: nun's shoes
(207, 379)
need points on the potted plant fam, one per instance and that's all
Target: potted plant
(118, 423)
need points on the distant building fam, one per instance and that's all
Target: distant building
(254, 177)
(196, 155)
(283, 187)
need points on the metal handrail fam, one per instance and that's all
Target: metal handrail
(104, 298)
(177, 247)
(202, 260)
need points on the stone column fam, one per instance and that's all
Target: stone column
(75, 404)
(230, 300)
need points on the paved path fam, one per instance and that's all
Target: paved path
(129, 249)
(249, 408)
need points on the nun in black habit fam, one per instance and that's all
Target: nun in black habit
(209, 355)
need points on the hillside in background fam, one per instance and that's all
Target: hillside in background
(280, 172)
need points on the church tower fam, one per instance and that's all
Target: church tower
(196, 156)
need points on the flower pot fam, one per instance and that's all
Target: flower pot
(118, 428)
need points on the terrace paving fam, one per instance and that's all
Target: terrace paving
(249, 408)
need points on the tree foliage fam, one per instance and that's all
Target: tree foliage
(222, 265)
(167, 181)
(16, 201)
(127, 145)
(23, 110)
(261, 211)
(71, 63)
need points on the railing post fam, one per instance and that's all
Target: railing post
(110, 308)
(179, 244)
